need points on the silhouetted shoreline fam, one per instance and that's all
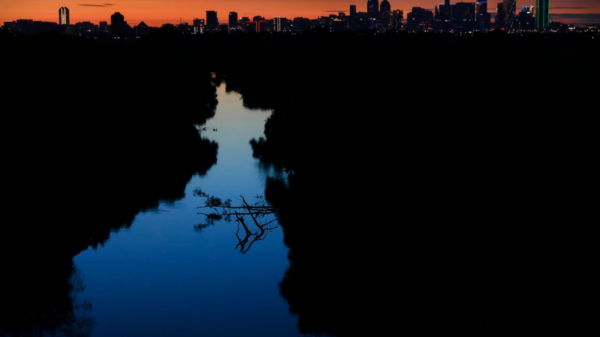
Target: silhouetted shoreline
(415, 164)
(95, 135)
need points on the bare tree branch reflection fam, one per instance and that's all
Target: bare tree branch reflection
(257, 220)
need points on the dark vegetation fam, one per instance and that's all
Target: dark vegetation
(254, 220)
(429, 164)
(93, 133)
(428, 180)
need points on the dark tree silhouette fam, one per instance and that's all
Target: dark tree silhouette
(256, 220)
(109, 124)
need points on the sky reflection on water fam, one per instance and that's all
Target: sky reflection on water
(160, 277)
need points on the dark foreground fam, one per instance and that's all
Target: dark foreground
(433, 185)
(428, 174)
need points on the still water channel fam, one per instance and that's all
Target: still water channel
(160, 277)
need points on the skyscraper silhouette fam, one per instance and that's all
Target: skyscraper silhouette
(384, 13)
(483, 17)
(280, 23)
(510, 10)
(397, 17)
(526, 18)
(373, 8)
(117, 24)
(542, 17)
(419, 20)
(500, 16)
(63, 16)
(212, 22)
(463, 16)
(352, 11)
(233, 20)
(385, 7)
(445, 14)
(198, 26)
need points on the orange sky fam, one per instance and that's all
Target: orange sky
(157, 12)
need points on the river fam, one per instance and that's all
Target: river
(160, 277)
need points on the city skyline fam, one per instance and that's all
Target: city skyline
(156, 13)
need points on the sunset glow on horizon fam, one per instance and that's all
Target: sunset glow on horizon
(159, 12)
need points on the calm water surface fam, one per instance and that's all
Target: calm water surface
(162, 278)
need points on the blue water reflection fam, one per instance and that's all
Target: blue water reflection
(161, 278)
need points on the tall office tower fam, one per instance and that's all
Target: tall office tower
(385, 7)
(117, 23)
(63, 16)
(446, 11)
(385, 11)
(483, 16)
(263, 26)
(373, 8)
(104, 26)
(233, 20)
(352, 11)
(397, 17)
(526, 19)
(510, 10)
(500, 16)
(301, 24)
(212, 22)
(280, 23)
(463, 15)
(419, 20)
(437, 20)
(542, 16)
(250, 27)
(198, 27)
(442, 20)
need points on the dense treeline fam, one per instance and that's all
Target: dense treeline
(425, 172)
(416, 162)
(94, 132)
(115, 115)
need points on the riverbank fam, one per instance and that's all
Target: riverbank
(94, 134)
(414, 155)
